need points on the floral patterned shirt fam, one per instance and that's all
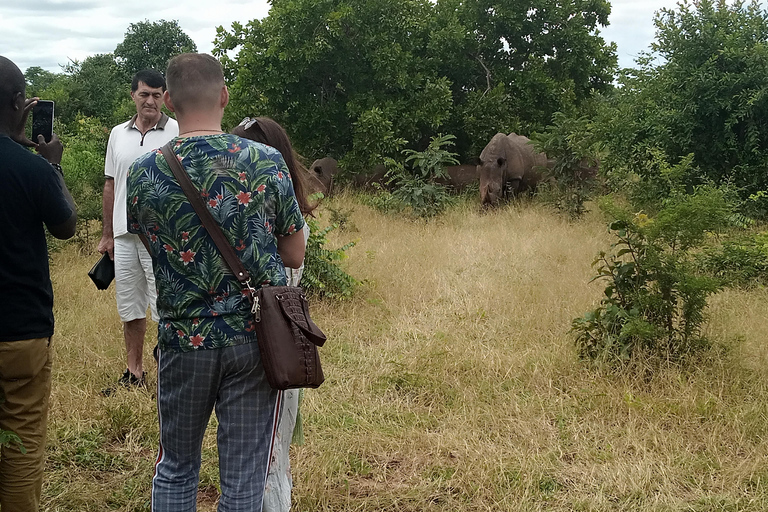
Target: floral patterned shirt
(248, 190)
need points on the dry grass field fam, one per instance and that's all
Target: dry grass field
(452, 384)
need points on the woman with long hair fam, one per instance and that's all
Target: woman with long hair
(277, 492)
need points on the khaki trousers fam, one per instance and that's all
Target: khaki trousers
(25, 381)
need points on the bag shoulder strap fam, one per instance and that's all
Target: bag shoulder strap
(210, 225)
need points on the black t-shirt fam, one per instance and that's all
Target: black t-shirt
(30, 195)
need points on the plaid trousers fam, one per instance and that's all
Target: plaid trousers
(190, 385)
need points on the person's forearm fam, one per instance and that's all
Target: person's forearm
(291, 249)
(68, 228)
(107, 207)
(67, 195)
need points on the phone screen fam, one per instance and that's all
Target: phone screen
(42, 120)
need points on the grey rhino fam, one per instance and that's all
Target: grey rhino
(459, 177)
(366, 180)
(324, 170)
(509, 165)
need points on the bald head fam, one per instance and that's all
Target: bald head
(195, 82)
(11, 84)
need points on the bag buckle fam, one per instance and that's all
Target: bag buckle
(255, 306)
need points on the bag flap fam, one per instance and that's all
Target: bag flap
(294, 307)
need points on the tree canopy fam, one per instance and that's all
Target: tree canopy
(701, 90)
(149, 45)
(99, 86)
(329, 69)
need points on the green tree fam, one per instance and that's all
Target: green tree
(423, 68)
(99, 88)
(513, 64)
(38, 79)
(319, 66)
(701, 90)
(151, 44)
(56, 87)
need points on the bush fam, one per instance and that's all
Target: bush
(383, 201)
(415, 186)
(322, 274)
(755, 206)
(654, 301)
(742, 262)
(85, 143)
(374, 140)
(341, 217)
(569, 142)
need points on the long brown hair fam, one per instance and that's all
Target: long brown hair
(269, 132)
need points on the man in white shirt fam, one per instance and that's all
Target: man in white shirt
(135, 289)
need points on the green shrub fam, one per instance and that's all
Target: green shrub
(414, 180)
(85, 145)
(569, 142)
(383, 201)
(756, 206)
(341, 217)
(322, 274)
(654, 301)
(742, 262)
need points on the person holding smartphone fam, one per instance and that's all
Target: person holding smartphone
(35, 197)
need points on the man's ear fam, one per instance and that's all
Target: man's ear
(18, 99)
(168, 102)
(224, 96)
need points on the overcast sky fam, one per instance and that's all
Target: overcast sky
(48, 33)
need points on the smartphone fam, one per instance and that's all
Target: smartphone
(42, 120)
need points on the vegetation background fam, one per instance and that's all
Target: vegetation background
(451, 385)
(453, 380)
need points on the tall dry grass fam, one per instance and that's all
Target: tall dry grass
(452, 384)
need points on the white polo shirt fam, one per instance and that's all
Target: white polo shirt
(126, 144)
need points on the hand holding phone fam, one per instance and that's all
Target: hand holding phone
(42, 120)
(51, 151)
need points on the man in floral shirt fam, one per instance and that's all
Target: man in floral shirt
(208, 355)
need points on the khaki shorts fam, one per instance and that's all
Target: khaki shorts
(134, 280)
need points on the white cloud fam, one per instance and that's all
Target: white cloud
(50, 33)
(631, 27)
